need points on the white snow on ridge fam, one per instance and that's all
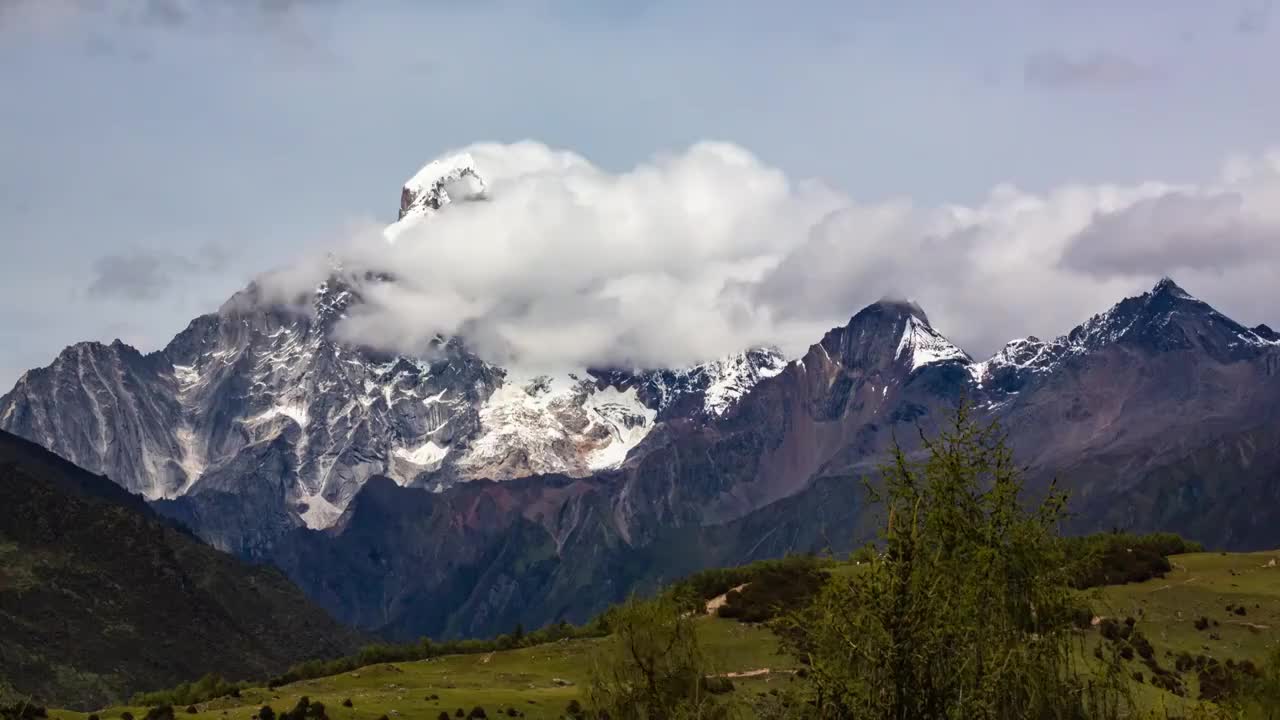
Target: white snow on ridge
(926, 346)
(560, 423)
(435, 186)
(628, 420)
(733, 377)
(294, 411)
(186, 374)
(428, 454)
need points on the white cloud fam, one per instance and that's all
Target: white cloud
(696, 254)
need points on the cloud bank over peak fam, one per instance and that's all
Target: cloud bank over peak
(707, 251)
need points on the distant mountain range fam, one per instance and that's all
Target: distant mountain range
(100, 597)
(445, 495)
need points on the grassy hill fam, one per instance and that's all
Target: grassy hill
(1169, 612)
(536, 681)
(100, 597)
(541, 681)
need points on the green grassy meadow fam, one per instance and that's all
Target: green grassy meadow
(536, 681)
(539, 682)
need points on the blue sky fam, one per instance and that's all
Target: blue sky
(157, 154)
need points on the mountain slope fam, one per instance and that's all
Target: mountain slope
(260, 401)
(100, 598)
(437, 492)
(1146, 433)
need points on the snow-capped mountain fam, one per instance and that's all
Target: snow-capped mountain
(1158, 414)
(1166, 318)
(258, 426)
(260, 398)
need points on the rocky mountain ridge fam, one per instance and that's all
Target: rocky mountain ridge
(439, 493)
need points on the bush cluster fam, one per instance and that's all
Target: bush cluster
(203, 690)
(694, 591)
(23, 711)
(775, 590)
(427, 648)
(1120, 558)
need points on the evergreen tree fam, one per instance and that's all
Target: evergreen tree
(967, 610)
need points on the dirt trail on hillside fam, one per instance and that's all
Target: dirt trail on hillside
(719, 601)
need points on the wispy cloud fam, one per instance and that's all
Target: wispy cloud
(142, 274)
(1057, 71)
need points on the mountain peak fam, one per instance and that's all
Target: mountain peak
(1167, 286)
(1168, 318)
(435, 185)
(898, 306)
(890, 332)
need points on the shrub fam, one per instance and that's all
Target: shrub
(866, 553)
(206, 688)
(266, 713)
(1218, 683)
(1142, 645)
(160, 712)
(477, 713)
(574, 710)
(717, 685)
(191, 710)
(692, 593)
(347, 703)
(1119, 558)
(968, 611)
(1168, 683)
(425, 649)
(23, 711)
(653, 666)
(775, 589)
(1202, 623)
(126, 715)
(1082, 616)
(443, 715)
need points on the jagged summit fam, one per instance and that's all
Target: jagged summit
(1167, 287)
(895, 305)
(1167, 318)
(889, 332)
(439, 183)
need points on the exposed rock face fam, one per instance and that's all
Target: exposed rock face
(258, 407)
(1147, 431)
(257, 428)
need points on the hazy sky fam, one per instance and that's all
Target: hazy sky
(155, 155)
